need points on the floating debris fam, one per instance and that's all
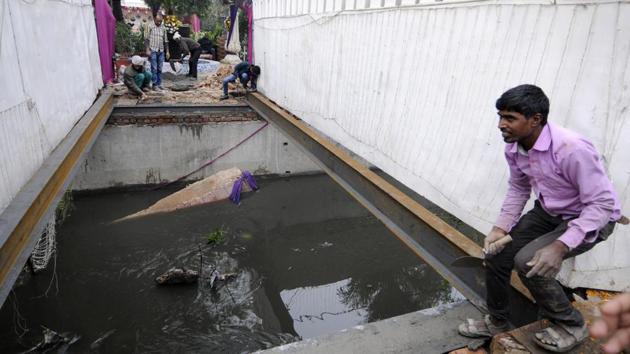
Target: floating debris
(216, 278)
(177, 276)
(54, 341)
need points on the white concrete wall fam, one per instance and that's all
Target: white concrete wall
(135, 155)
(49, 76)
(411, 86)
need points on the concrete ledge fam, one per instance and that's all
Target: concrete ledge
(426, 331)
(22, 222)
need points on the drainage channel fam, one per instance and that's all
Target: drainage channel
(428, 236)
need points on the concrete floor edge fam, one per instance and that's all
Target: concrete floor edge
(431, 330)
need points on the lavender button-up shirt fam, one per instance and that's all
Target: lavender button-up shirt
(568, 179)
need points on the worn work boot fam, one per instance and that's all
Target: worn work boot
(224, 97)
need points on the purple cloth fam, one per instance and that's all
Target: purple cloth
(250, 180)
(568, 178)
(247, 7)
(233, 13)
(105, 32)
(235, 196)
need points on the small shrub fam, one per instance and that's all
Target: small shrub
(217, 236)
(128, 41)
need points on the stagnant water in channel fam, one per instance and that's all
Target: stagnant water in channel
(309, 261)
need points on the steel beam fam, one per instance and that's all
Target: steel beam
(22, 222)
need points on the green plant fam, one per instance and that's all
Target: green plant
(216, 32)
(128, 41)
(217, 236)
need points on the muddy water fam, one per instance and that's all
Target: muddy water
(309, 261)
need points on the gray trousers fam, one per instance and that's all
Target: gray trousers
(534, 230)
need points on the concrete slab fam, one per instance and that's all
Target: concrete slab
(426, 331)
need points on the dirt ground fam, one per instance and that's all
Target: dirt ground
(180, 89)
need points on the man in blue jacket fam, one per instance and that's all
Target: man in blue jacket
(245, 73)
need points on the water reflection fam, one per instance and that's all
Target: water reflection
(353, 301)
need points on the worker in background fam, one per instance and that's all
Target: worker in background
(192, 48)
(137, 80)
(245, 73)
(156, 44)
(614, 324)
(576, 208)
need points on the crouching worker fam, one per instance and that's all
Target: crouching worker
(136, 78)
(575, 209)
(245, 73)
(188, 46)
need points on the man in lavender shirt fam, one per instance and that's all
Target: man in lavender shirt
(575, 208)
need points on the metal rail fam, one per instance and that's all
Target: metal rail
(428, 236)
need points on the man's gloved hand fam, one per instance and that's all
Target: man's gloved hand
(548, 260)
(489, 244)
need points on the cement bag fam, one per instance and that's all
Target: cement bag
(210, 189)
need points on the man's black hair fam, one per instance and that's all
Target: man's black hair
(256, 70)
(526, 100)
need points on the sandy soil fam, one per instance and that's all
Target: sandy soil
(180, 89)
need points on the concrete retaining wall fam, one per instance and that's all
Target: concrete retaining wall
(127, 155)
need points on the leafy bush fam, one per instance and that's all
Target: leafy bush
(128, 41)
(217, 236)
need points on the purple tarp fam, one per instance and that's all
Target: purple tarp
(246, 5)
(105, 31)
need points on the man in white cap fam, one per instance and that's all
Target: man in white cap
(136, 78)
(189, 46)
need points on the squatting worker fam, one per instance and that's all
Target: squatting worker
(575, 208)
(136, 78)
(192, 48)
(245, 73)
(156, 45)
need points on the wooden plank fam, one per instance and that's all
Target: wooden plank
(524, 335)
(22, 221)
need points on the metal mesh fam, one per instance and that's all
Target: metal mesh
(45, 247)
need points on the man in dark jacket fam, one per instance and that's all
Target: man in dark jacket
(188, 46)
(245, 73)
(136, 78)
